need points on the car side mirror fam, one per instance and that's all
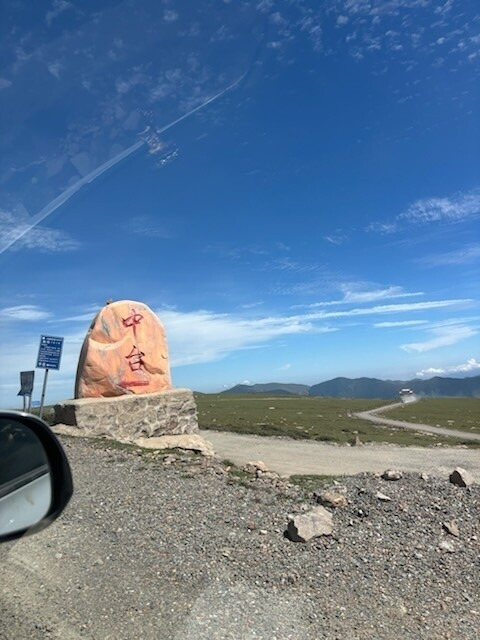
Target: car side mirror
(35, 477)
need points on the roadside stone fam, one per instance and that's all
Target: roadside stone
(424, 476)
(254, 467)
(331, 499)
(315, 523)
(381, 496)
(392, 474)
(446, 545)
(461, 478)
(452, 528)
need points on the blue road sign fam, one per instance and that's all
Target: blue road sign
(49, 352)
(35, 403)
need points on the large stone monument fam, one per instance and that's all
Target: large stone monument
(123, 387)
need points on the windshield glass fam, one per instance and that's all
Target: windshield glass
(292, 187)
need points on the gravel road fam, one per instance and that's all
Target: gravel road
(153, 550)
(372, 416)
(287, 456)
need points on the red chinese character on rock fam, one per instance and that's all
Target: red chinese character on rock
(135, 359)
(133, 319)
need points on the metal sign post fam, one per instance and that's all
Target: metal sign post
(49, 355)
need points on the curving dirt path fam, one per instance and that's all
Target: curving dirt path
(372, 416)
(288, 457)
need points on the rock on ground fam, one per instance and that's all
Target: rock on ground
(461, 478)
(314, 523)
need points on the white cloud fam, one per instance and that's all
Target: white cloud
(284, 367)
(24, 312)
(170, 15)
(58, 7)
(471, 365)
(469, 253)
(390, 308)
(146, 226)
(458, 207)
(18, 234)
(335, 239)
(54, 68)
(4, 83)
(203, 336)
(359, 296)
(441, 337)
(355, 294)
(399, 323)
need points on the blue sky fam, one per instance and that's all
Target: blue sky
(294, 190)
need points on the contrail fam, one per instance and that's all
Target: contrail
(33, 221)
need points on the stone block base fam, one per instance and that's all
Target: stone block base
(131, 417)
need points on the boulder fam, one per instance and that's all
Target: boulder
(315, 523)
(461, 478)
(331, 499)
(258, 467)
(124, 352)
(392, 474)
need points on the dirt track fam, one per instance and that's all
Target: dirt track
(289, 457)
(372, 416)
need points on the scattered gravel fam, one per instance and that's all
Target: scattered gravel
(184, 550)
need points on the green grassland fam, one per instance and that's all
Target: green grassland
(453, 413)
(300, 417)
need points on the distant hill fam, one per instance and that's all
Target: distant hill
(367, 388)
(374, 388)
(273, 388)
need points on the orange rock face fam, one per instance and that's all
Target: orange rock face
(125, 351)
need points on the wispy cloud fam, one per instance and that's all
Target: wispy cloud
(470, 366)
(456, 208)
(469, 253)
(336, 239)
(441, 337)
(358, 293)
(204, 336)
(58, 7)
(399, 323)
(87, 314)
(27, 312)
(146, 226)
(391, 308)
(19, 234)
(284, 367)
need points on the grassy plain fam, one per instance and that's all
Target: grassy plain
(303, 417)
(453, 413)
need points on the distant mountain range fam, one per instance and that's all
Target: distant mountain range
(368, 388)
(273, 388)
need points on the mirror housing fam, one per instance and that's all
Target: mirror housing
(38, 485)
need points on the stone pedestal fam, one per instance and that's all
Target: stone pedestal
(130, 417)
